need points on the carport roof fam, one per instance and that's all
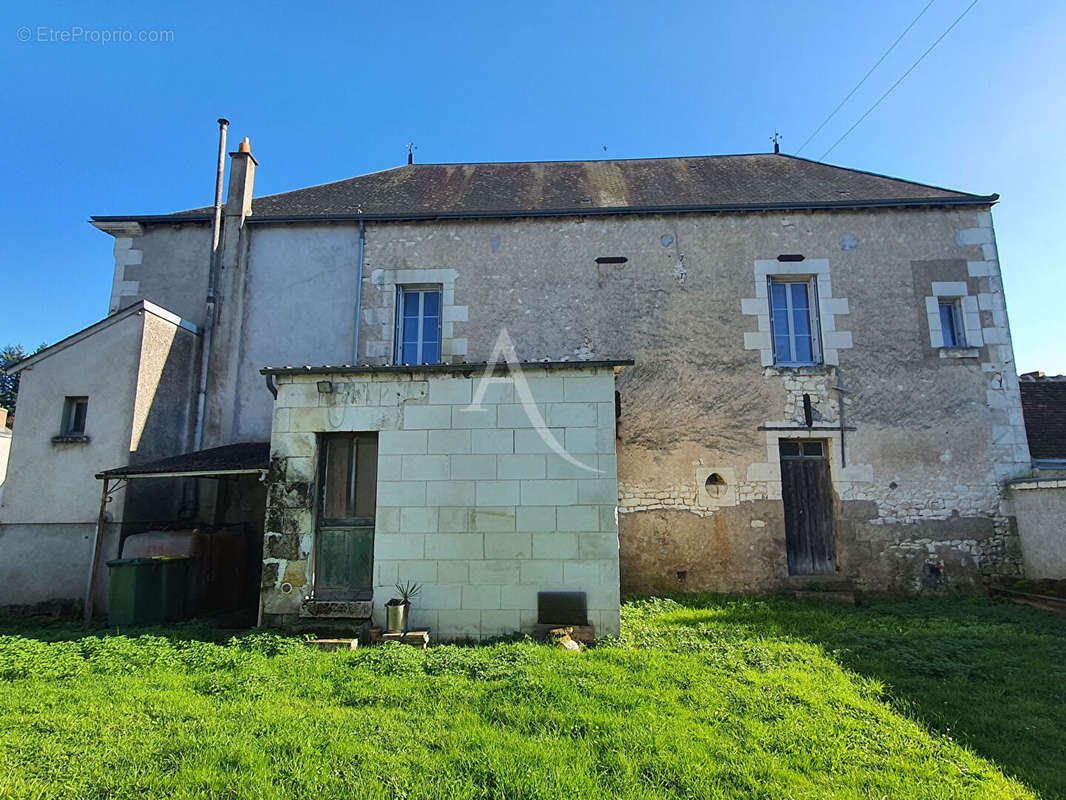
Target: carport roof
(246, 458)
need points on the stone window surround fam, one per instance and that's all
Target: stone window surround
(382, 315)
(970, 313)
(829, 307)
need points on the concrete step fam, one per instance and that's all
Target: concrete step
(833, 588)
(844, 598)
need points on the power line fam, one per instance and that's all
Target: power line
(867, 75)
(940, 38)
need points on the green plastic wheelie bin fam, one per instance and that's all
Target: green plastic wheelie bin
(148, 591)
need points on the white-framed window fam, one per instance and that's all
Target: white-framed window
(418, 324)
(952, 324)
(954, 319)
(794, 326)
(75, 410)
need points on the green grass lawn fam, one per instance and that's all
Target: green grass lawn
(699, 697)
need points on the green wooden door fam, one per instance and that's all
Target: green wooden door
(345, 563)
(344, 544)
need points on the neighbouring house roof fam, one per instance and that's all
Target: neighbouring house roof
(464, 367)
(96, 327)
(231, 459)
(557, 188)
(1044, 409)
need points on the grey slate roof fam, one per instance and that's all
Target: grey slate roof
(649, 185)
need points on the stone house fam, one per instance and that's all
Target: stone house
(739, 373)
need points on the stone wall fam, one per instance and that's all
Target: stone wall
(471, 501)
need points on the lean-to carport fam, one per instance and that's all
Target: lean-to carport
(249, 458)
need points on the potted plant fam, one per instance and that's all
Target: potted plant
(397, 609)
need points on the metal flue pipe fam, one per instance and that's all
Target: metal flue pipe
(212, 272)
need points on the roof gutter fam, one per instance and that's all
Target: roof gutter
(406, 369)
(830, 205)
(188, 474)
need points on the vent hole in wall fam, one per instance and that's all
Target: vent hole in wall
(715, 485)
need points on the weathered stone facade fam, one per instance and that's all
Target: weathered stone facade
(471, 501)
(930, 434)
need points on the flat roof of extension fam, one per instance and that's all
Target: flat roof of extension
(464, 367)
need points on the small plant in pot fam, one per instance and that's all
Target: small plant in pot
(398, 608)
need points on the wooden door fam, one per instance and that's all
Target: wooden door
(344, 541)
(807, 492)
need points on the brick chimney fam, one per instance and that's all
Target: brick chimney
(3, 419)
(241, 180)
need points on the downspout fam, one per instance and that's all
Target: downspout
(209, 315)
(98, 541)
(841, 391)
(358, 292)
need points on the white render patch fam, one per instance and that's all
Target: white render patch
(382, 315)
(122, 290)
(474, 506)
(829, 308)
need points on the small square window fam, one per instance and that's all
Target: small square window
(794, 320)
(75, 410)
(952, 328)
(789, 447)
(418, 318)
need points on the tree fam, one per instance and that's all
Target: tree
(9, 384)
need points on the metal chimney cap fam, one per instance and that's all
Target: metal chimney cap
(223, 121)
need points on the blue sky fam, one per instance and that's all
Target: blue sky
(331, 90)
